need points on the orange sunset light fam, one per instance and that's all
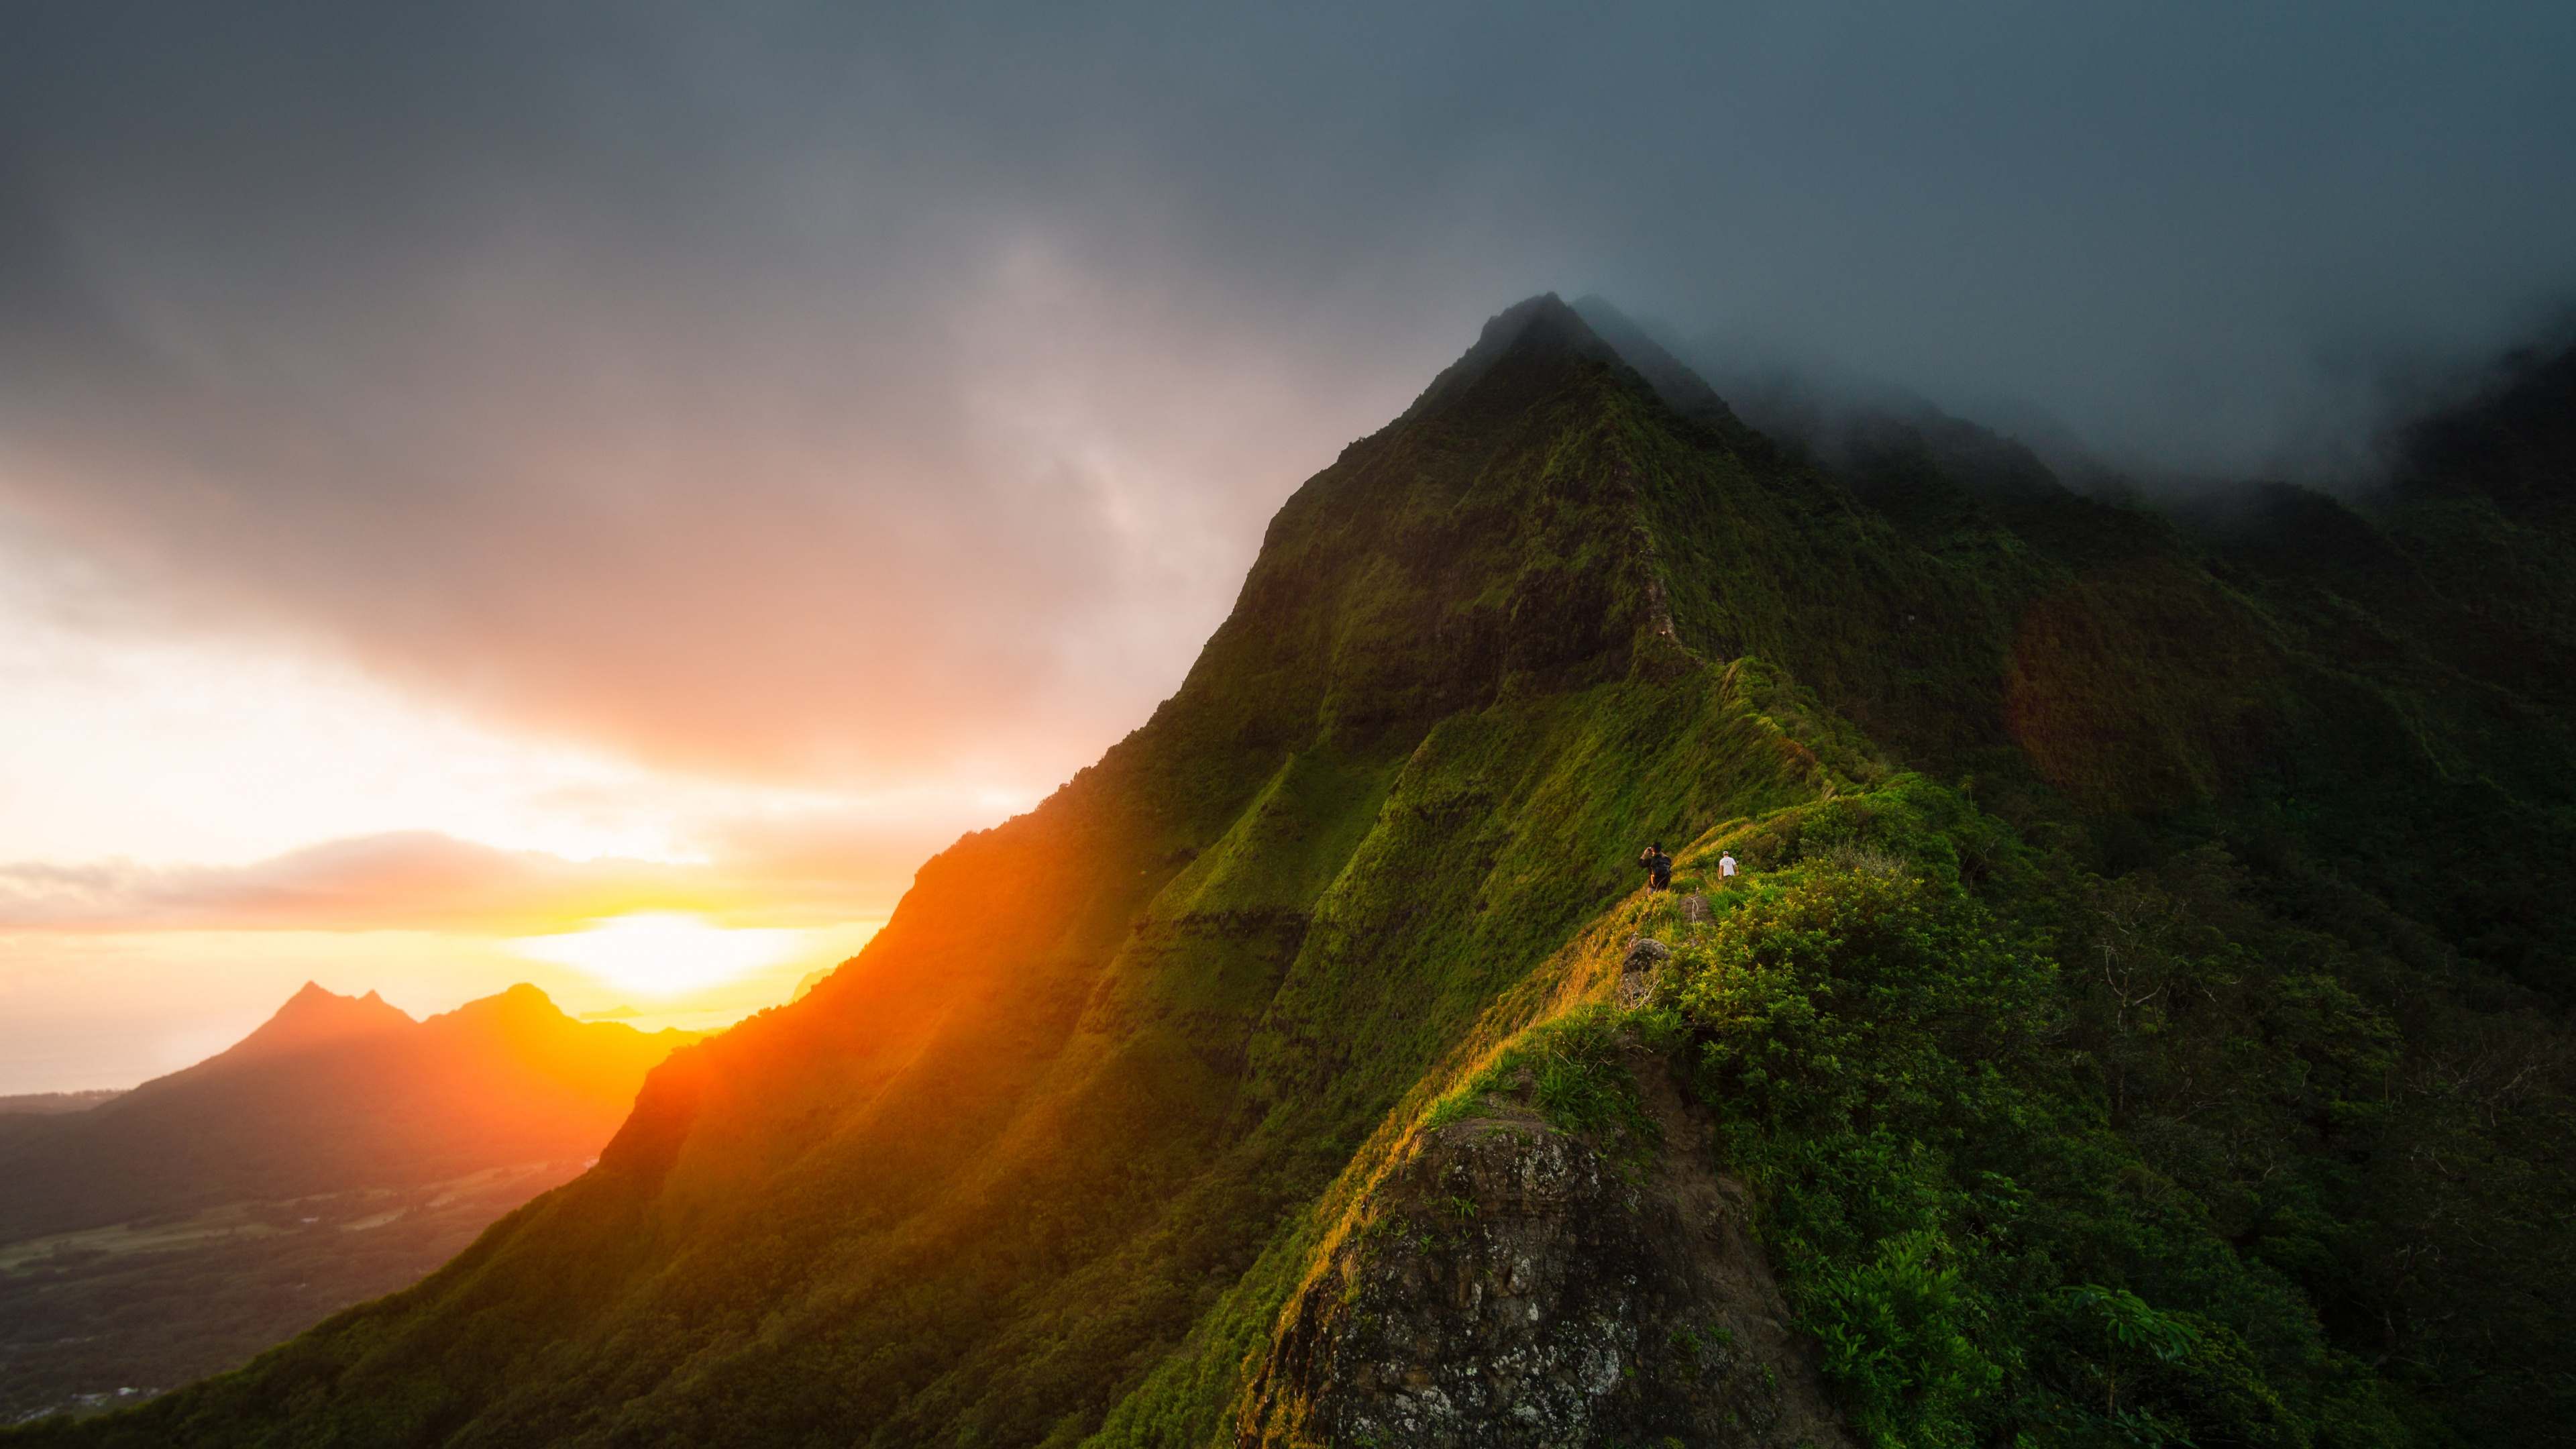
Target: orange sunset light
(663, 953)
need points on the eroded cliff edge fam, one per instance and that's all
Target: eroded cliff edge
(1513, 1285)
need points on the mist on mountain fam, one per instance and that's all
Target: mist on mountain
(1818, 402)
(573, 300)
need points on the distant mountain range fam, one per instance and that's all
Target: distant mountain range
(2140, 1015)
(338, 1152)
(331, 1093)
(48, 1103)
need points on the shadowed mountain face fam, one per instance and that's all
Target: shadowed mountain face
(330, 1094)
(1126, 1078)
(2382, 680)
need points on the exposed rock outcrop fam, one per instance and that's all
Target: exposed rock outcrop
(1639, 969)
(1510, 1286)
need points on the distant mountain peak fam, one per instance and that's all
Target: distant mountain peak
(521, 1004)
(316, 1016)
(526, 996)
(334, 1093)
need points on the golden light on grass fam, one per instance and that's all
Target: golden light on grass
(663, 953)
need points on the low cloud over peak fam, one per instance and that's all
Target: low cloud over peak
(811, 392)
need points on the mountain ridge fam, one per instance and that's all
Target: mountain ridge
(314, 1017)
(330, 1094)
(1124, 1081)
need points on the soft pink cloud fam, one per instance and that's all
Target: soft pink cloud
(420, 880)
(694, 521)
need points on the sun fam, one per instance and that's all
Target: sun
(662, 953)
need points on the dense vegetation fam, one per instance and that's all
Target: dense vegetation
(2085, 1160)
(2145, 1022)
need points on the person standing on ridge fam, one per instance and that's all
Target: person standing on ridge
(1725, 870)
(1659, 867)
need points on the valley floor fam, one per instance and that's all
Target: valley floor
(102, 1319)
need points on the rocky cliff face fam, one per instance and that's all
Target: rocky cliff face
(1511, 1285)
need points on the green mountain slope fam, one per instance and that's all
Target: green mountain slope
(1126, 1079)
(2382, 682)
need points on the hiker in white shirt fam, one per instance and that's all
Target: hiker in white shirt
(1725, 869)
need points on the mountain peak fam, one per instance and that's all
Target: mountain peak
(1682, 390)
(316, 1016)
(1546, 312)
(519, 1002)
(1540, 330)
(331, 1094)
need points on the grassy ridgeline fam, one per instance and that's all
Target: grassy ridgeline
(2046, 1157)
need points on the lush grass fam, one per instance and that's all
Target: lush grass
(1572, 1069)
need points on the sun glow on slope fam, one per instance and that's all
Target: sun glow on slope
(663, 953)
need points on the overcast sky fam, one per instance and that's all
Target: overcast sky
(762, 438)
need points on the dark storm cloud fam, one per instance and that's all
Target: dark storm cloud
(794, 387)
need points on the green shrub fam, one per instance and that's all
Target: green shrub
(1573, 1070)
(1981, 1251)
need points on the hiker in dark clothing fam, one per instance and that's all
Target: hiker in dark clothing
(1659, 867)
